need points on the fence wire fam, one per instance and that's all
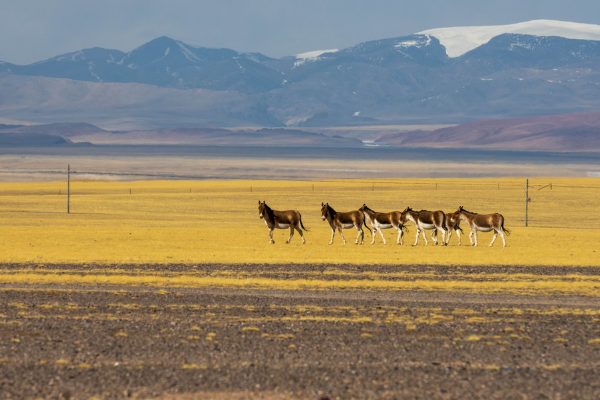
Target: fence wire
(552, 204)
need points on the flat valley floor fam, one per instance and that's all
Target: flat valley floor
(186, 331)
(118, 162)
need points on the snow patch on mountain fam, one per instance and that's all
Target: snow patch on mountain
(91, 66)
(418, 43)
(187, 53)
(460, 40)
(309, 55)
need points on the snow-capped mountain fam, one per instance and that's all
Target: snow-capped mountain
(460, 40)
(443, 75)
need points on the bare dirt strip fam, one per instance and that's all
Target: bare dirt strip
(80, 339)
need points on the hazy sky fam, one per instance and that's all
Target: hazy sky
(32, 30)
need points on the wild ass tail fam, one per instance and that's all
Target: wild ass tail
(503, 228)
(444, 225)
(365, 224)
(302, 225)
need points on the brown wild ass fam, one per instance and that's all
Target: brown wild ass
(453, 223)
(281, 220)
(344, 220)
(381, 221)
(426, 220)
(483, 223)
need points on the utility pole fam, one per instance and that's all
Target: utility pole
(69, 189)
(526, 202)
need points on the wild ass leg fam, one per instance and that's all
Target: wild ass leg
(444, 233)
(458, 234)
(502, 236)
(471, 237)
(381, 233)
(475, 237)
(360, 233)
(291, 234)
(340, 229)
(494, 238)
(301, 234)
(373, 234)
(332, 235)
(400, 239)
(271, 236)
(417, 236)
(425, 238)
(434, 237)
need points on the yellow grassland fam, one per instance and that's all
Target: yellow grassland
(581, 287)
(217, 221)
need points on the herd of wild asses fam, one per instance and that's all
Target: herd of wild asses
(423, 220)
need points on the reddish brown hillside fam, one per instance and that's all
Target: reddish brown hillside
(564, 132)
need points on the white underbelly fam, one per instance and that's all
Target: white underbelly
(347, 226)
(484, 229)
(384, 226)
(283, 226)
(427, 226)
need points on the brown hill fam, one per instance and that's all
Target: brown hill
(563, 132)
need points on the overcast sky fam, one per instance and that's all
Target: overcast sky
(33, 30)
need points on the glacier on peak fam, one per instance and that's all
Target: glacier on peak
(460, 40)
(309, 55)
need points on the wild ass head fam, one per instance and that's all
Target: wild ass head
(262, 208)
(462, 213)
(325, 210)
(461, 210)
(404, 215)
(365, 208)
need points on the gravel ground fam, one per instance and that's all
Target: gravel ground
(119, 342)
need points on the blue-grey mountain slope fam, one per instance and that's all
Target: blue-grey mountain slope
(409, 79)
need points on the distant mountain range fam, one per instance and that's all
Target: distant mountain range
(450, 75)
(577, 132)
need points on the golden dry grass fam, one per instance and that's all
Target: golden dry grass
(217, 222)
(332, 279)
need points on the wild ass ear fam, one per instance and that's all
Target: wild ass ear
(322, 204)
(259, 202)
